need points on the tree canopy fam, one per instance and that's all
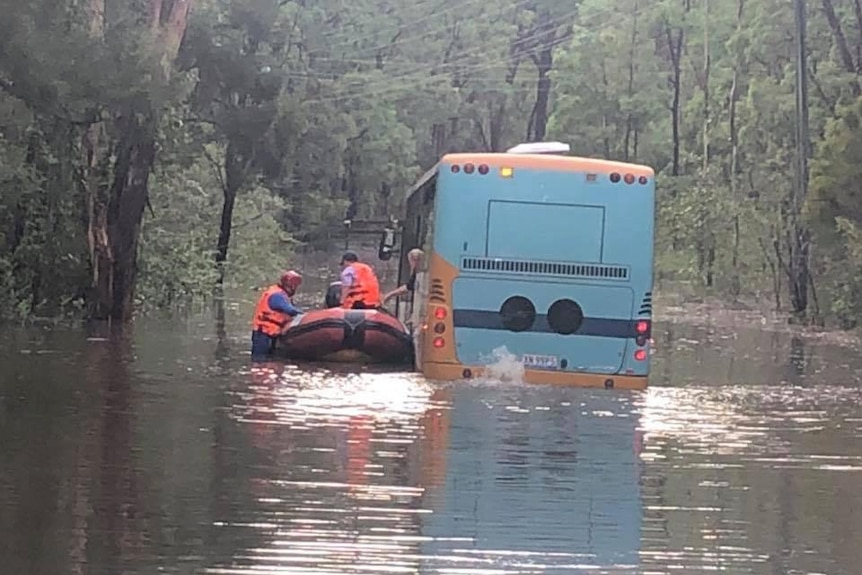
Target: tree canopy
(152, 149)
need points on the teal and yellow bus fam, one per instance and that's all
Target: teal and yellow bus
(542, 256)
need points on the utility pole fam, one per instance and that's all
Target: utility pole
(706, 71)
(802, 138)
(799, 237)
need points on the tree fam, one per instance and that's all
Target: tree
(120, 156)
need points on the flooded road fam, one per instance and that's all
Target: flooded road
(168, 452)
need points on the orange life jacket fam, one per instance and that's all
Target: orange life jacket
(365, 287)
(266, 319)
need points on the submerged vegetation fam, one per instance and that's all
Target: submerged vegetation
(153, 150)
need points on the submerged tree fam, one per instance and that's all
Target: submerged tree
(120, 150)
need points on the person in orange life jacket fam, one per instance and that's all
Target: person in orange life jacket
(273, 313)
(359, 286)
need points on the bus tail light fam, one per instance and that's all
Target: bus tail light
(440, 313)
(470, 168)
(640, 355)
(642, 327)
(641, 340)
(439, 342)
(627, 178)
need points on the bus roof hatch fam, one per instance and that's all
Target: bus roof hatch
(540, 148)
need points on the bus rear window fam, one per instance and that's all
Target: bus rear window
(540, 231)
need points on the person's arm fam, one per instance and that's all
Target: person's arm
(280, 302)
(400, 290)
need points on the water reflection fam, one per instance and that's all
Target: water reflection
(148, 454)
(724, 355)
(386, 473)
(341, 463)
(69, 447)
(728, 469)
(540, 480)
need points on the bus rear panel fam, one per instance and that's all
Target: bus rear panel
(546, 258)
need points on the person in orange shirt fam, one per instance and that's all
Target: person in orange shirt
(359, 286)
(273, 312)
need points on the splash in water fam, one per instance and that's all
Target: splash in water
(502, 365)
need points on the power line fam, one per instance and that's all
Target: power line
(415, 39)
(431, 32)
(418, 77)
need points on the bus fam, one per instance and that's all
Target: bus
(536, 254)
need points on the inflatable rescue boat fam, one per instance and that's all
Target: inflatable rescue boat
(347, 335)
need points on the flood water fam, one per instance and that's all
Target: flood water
(167, 452)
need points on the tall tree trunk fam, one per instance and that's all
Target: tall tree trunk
(674, 38)
(95, 170)
(539, 118)
(675, 49)
(798, 235)
(115, 213)
(841, 44)
(733, 97)
(438, 139)
(628, 153)
(496, 123)
(857, 10)
(798, 271)
(234, 171)
(710, 233)
(135, 155)
(606, 138)
(706, 71)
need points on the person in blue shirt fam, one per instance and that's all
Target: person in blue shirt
(273, 313)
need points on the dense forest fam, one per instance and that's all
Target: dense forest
(152, 150)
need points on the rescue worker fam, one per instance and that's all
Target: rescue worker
(273, 313)
(414, 258)
(359, 286)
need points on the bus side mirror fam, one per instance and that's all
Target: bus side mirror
(387, 244)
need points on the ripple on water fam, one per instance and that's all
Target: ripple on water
(742, 478)
(376, 473)
(165, 459)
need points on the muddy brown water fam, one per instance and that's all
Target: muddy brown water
(167, 452)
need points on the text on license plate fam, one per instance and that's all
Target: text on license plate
(540, 361)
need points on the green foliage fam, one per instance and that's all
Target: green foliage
(835, 211)
(307, 114)
(178, 243)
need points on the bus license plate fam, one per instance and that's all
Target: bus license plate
(540, 361)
